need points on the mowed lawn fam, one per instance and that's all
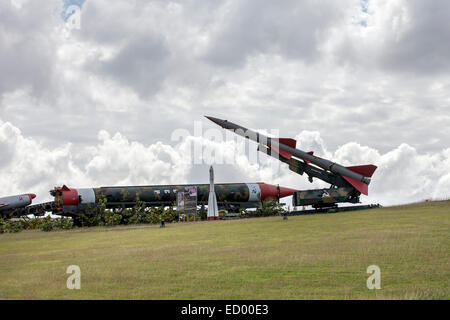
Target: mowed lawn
(322, 256)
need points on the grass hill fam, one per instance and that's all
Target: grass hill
(323, 256)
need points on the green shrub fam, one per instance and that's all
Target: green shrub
(47, 224)
(171, 215)
(269, 207)
(111, 218)
(64, 223)
(10, 226)
(2, 225)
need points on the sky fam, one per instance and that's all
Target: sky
(97, 93)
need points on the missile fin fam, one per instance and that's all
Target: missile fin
(311, 153)
(283, 153)
(286, 141)
(359, 185)
(365, 170)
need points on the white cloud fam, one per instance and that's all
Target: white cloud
(28, 166)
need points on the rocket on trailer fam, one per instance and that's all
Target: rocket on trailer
(70, 201)
(8, 205)
(347, 183)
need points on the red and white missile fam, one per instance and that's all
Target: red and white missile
(357, 176)
(8, 204)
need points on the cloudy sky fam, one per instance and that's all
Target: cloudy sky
(95, 92)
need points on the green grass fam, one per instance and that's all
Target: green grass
(323, 256)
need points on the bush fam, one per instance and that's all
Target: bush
(99, 216)
(170, 215)
(111, 218)
(47, 224)
(10, 226)
(139, 213)
(2, 223)
(269, 207)
(64, 223)
(203, 213)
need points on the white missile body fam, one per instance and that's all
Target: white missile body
(14, 202)
(213, 211)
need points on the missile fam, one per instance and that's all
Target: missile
(213, 212)
(356, 176)
(11, 203)
(71, 201)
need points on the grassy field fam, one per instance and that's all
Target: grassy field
(322, 256)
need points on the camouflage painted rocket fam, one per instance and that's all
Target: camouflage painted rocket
(70, 201)
(319, 198)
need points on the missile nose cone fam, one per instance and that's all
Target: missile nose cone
(218, 121)
(212, 118)
(285, 192)
(271, 191)
(31, 196)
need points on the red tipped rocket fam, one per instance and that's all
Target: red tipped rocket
(11, 203)
(269, 191)
(246, 195)
(356, 176)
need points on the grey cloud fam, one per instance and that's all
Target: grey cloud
(291, 29)
(141, 53)
(26, 54)
(141, 65)
(407, 37)
(106, 23)
(424, 47)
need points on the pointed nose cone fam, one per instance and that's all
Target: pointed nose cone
(31, 196)
(217, 121)
(212, 119)
(286, 192)
(270, 191)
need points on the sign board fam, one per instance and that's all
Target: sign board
(180, 202)
(190, 200)
(187, 201)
